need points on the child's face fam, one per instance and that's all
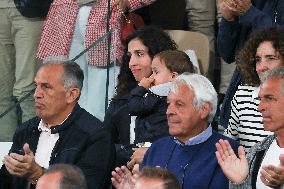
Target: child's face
(161, 74)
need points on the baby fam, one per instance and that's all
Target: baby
(148, 101)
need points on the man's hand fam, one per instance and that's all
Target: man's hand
(137, 156)
(122, 5)
(240, 7)
(23, 165)
(146, 82)
(235, 169)
(122, 178)
(225, 9)
(273, 176)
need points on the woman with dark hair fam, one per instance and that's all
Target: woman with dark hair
(140, 49)
(262, 52)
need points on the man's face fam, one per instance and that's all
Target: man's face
(183, 118)
(49, 181)
(50, 94)
(148, 183)
(271, 105)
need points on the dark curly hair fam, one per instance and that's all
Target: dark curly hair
(246, 58)
(152, 37)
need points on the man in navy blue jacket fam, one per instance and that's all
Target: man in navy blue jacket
(189, 153)
(240, 19)
(63, 132)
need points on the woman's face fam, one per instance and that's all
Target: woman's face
(140, 60)
(266, 58)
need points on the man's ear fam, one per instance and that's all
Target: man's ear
(72, 95)
(205, 109)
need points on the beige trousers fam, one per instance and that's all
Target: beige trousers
(19, 37)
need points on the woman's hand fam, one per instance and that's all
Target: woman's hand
(122, 5)
(137, 156)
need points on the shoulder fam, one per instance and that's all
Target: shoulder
(86, 121)
(116, 104)
(28, 125)
(90, 126)
(264, 144)
(162, 144)
(245, 90)
(246, 95)
(217, 136)
(163, 140)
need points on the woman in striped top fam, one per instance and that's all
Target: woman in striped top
(263, 51)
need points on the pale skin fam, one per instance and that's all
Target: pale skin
(137, 156)
(236, 169)
(49, 181)
(122, 5)
(181, 123)
(122, 178)
(23, 165)
(230, 9)
(53, 103)
(160, 74)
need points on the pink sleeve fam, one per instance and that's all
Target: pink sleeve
(136, 4)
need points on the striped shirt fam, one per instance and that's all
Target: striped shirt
(245, 123)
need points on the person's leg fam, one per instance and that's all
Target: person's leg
(93, 93)
(8, 122)
(201, 16)
(77, 46)
(227, 71)
(26, 33)
(97, 89)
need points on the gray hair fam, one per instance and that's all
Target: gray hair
(275, 73)
(72, 76)
(203, 91)
(72, 176)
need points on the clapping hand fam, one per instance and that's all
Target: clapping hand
(122, 178)
(23, 165)
(273, 176)
(235, 169)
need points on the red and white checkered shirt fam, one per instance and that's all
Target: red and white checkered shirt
(60, 22)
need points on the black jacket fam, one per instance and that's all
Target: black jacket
(82, 142)
(117, 121)
(150, 109)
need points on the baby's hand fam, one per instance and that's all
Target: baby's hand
(146, 82)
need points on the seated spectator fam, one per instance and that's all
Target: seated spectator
(240, 18)
(264, 165)
(189, 152)
(148, 178)
(62, 176)
(141, 47)
(63, 132)
(262, 52)
(156, 178)
(74, 25)
(148, 101)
